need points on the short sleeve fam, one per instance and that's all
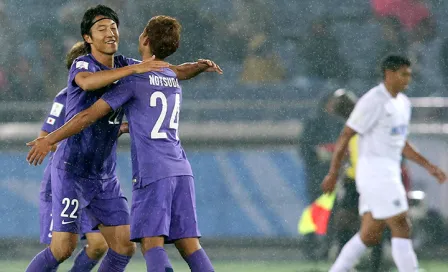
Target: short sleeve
(119, 94)
(365, 115)
(81, 64)
(56, 116)
(124, 61)
(131, 61)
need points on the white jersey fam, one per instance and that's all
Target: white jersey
(382, 122)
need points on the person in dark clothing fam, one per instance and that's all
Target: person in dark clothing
(316, 144)
(315, 147)
(322, 55)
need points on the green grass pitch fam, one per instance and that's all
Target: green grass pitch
(237, 266)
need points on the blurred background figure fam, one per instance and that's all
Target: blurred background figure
(322, 57)
(316, 143)
(316, 146)
(262, 64)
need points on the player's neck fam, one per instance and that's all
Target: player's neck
(390, 89)
(147, 56)
(104, 59)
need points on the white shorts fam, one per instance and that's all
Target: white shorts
(383, 199)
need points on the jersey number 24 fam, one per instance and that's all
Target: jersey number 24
(174, 119)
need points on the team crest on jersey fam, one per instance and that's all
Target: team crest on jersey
(82, 65)
(56, 109)
(399, 130)
(397, 202)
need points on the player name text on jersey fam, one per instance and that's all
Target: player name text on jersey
(163, 81)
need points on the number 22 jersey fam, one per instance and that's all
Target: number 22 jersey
(91, 153)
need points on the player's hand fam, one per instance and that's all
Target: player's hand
(149, 65)
(329, 183)
(124, 128)
(39, 150)
(212, 66)
(437, 173)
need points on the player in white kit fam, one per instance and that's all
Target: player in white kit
(381, 118)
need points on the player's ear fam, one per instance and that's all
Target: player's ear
(87, 38)
(146, 41)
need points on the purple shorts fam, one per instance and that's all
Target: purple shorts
(99, 202)
(46, 222)
(167, 208)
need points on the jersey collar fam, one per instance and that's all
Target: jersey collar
(384, 90)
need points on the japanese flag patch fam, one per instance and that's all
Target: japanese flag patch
(51, 120)
(56, 109)
(82, 65)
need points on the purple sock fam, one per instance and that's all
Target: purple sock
(199, 262)
(157, 260)
(114, 262)
(43, 262)
(82, 262)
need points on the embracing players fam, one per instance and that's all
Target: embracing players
(83, 170)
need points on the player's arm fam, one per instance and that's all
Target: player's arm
(189, 70)
(55, 118)
(42, 146)
(44, 133)
(330, 180)
(410, 153)
(91, 81)
(362, 119)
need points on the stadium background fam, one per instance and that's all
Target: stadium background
(241, 129)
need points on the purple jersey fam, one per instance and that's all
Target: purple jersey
(54, 120)
(151, 102)
(91, 153)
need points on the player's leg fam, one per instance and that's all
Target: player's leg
(155, 255)
(184, 229)
(402, 249)
(392, 206)
(46, 228)
(89, 256)
(369, 235)
(46, 221)
(65, 214)
(121, 249)
(150, 226)
(195, 256)
(96, 245)
(109, 210)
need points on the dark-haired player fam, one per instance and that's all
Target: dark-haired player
(83, 170)
(163, 202)
(96, 246)
(381, 119)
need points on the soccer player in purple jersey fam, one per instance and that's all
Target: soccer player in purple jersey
(83, 170)
(96, 246)
(163, 202)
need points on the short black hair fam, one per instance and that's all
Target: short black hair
(89, 17)
(393, 63)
